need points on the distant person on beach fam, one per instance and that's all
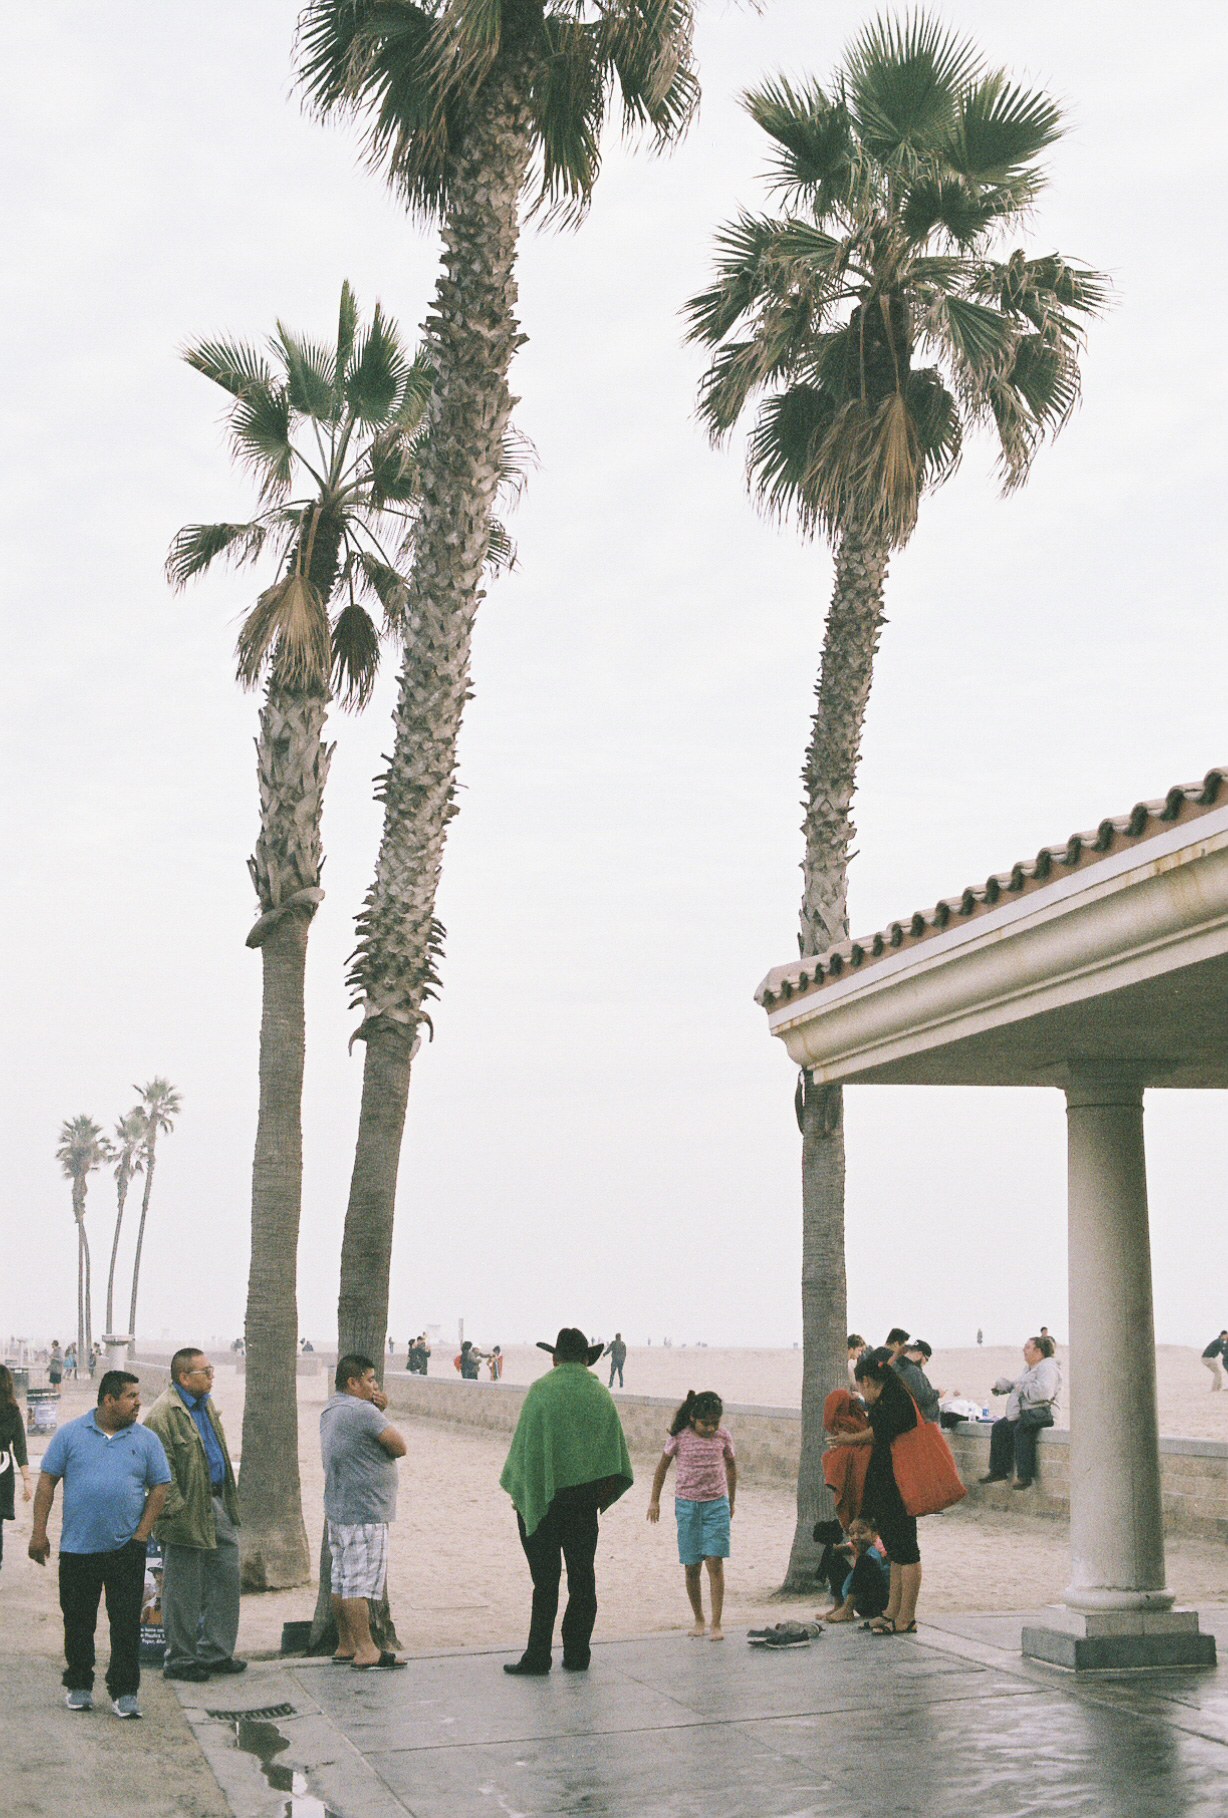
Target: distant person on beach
(891, 1411)
(494, 1364)
(616, 1351)
(467, 1361)
(359, 1446)
(568, 1462)
(199, 1527)
(115, 1478)
(12, 1453)
(856, 1344)
(1217, 1349)
(55, 1365)
(909, 1366)
(418, 1356)
(70, 1362)
(704, 1493)
(1031, 1401)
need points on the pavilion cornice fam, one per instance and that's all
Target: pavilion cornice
(1145, 822)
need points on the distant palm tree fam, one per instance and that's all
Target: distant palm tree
(82, 1148)
(126, 1155)
(472, 107)
(158, 1110)
(881, 319)
(343, 424)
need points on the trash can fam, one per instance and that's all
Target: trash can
(153, 1634)
(42, 1410)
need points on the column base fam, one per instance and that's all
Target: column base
(1100, 1641)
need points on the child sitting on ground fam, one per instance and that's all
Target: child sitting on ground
(868, 1585)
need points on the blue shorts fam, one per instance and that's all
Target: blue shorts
(703, 1530)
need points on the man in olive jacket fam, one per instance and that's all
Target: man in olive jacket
(198, 1527)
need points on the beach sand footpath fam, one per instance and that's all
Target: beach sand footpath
(458, 1577)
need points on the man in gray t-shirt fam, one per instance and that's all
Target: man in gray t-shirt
(359, 1446)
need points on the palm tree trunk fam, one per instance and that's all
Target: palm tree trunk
(150, 1147)
(122, 1195)
(846, 672)
(78, 1196)
(366, 1253)
(82, 1354)
(273, 1538)
(471, 336)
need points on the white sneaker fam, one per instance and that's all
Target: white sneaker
(127, 1706)
(79, 1700)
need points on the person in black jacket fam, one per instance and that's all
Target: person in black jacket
(12, 1452)
(891, 1411)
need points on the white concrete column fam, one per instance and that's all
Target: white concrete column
(1116, 1515)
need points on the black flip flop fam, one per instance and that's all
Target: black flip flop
(387, 1661)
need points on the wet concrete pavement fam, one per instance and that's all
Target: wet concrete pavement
(951, 1721)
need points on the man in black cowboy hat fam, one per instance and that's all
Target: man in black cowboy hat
(568, 1461)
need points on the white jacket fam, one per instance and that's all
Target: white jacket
(1038, 1387)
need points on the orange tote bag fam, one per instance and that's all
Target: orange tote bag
(926, 1474)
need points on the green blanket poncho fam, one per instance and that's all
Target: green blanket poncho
(568, 1433)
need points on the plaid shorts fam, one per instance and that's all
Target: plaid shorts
(360, 1558)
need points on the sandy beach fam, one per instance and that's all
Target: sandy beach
(458, 1578)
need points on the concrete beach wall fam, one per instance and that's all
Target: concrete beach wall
(1194, 1472)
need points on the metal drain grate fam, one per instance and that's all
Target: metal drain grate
(258, 1713)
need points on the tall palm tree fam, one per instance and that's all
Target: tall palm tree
(82, 1148)
(472, 107)
(333, 435)
(879, 319)
(158, 1110)
(126, 1154)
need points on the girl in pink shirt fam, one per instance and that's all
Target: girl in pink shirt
(705, 1489)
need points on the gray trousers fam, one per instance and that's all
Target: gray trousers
(200, 1597)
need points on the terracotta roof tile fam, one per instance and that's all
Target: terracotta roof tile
(1185, 802)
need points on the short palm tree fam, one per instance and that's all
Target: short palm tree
(879, 319)
(157, 1111)
(127, 1156)
(333, 435)
(82, 1148)
(472, 108)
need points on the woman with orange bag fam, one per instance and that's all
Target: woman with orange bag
(891, 1411)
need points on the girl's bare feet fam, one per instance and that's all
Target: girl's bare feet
(697, 1631)
(715, 1634)
(837, 1616)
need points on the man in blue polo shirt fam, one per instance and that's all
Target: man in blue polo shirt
(115, 1478)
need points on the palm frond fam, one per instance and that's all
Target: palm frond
(500, 549)
(381, 582)
(935, 414)
(197, 545)
(260, 436)
(355, 642)
(979, 339)
(347, 326)
(416, 389)
(234, 365)
(649, 45)
(311, 375)
(946, 203)
(288, 630)
(378, 371)
(999, 129)
(902, 78)
(744, 249)
(790, 429)
(568, 95)
(393, 476)
(812, 136)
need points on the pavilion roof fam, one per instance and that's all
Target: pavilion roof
(1184, 802)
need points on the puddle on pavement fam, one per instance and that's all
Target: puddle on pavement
(256, 1736)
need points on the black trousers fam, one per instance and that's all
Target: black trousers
(84, 1577)
(566, 1534)
(1013, 1442)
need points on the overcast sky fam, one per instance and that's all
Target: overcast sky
(602, 1131)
